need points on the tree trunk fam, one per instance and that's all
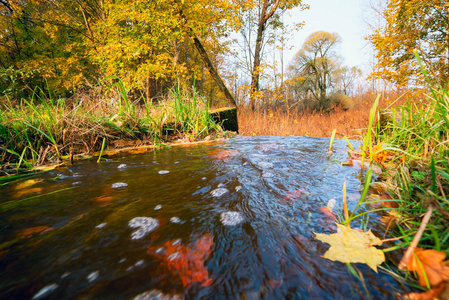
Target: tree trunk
(213, 72)
(260, 30)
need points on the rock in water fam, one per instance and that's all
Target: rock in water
(231, 218)
(145, 225)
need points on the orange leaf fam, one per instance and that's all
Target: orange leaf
(431, 265)
(186, 261)
(328, 213)
(391, 204)
(34, 230)
(222, 154)
(429, 295)
(292, 196)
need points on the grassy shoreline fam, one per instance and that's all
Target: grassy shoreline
(42, 131)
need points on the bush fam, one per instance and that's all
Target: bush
(342, 101)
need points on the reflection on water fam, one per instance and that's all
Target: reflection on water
(233, 220)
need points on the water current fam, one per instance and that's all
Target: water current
(233, 220)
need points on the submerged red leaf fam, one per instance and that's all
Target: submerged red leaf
(34, 230)
(186, 261)
(328, 213)
(292, 196)
(222, 154)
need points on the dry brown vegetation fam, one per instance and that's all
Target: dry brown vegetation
(351, 123)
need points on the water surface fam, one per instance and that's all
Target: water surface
(228, 221)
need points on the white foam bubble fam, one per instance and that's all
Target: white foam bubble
(231, 218)
(219, 192)
(121, 166)
(45, 291)
(175, 220)
(145, 225)
(163, 172)
(238, 188)
(99, 226)
(119, 185)
(93, 276)
(158, 207)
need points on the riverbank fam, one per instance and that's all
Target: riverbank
(413, 150)
(43, 131)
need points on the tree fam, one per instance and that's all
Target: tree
(413, 25)
(314, 66)
(256, 18)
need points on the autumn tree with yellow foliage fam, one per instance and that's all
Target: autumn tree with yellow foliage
(413, 25)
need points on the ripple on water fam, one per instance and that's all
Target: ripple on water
(145, 225)
(231, 218)
(219, 192)
(158, 207)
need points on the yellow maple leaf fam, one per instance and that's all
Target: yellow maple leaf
(352, 246)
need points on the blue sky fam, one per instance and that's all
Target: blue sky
(345, 17)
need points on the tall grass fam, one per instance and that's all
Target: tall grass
(417, 140)
(37, 130)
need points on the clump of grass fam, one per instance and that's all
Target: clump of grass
(42, 130)
(418, 145)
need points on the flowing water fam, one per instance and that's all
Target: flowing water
(234, 220)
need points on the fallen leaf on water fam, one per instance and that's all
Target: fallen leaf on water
(430, 265)
(292, 196)
(29, 232)
(35, 190)
(352, 246)
(45, 168)
(328, 212)
(103, 200)
(428, 295)
(138, 150)
(391, 204)
(186, 261)
(27, 183)
(222, 154)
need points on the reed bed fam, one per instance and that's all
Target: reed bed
(281, 122)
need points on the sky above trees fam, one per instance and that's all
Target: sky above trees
(345, 17)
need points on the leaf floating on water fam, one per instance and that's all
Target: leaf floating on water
(27, 183)
(35, 190)
(430, 265)
(186, 261)
(428, 295)
(352, 246)
(34, 230)
(104, 200)
(145, 225)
